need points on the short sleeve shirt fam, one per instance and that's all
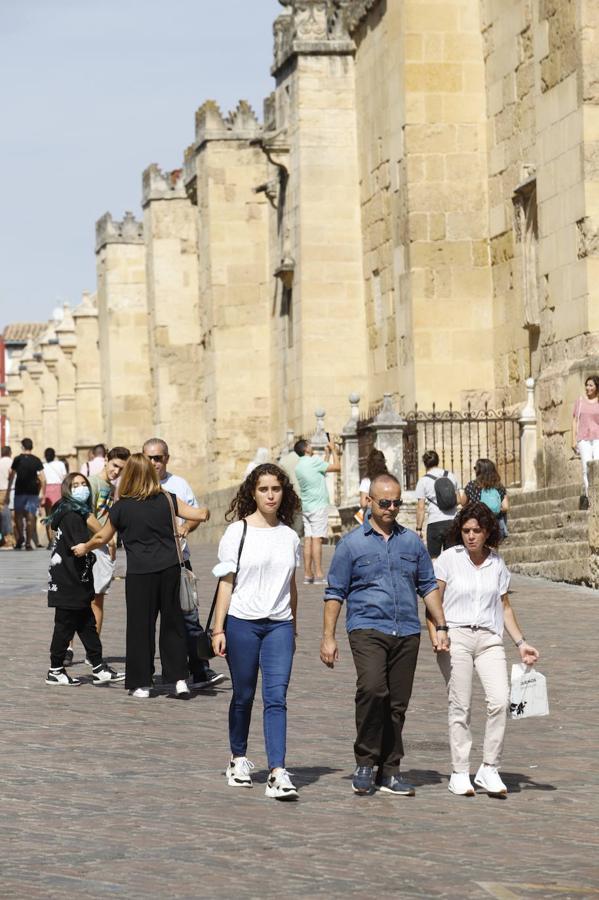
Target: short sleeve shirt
(586, 413)
(472, 593)
(268, 560)
(425, 490)
(55, 471)
(174, 484)
(146, 529)
(310, 473)
(27, 467)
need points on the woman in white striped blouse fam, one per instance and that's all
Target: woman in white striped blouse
(474, 581)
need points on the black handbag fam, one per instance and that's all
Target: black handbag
(204, 640)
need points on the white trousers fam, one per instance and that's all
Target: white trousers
(484, 651)
(587, 451)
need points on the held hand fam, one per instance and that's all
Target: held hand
(79, 550)
(528, 654)
(183, 531)
(442, 639)
(329, 652)
(219, 644)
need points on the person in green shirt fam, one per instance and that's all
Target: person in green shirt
(311, 473)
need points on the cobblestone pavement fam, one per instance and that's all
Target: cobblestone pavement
(103, 795)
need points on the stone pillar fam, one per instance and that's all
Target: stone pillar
(31, 397)
(319, 442)
(389, 430)
(49, 351)
(175, 337)
(222, 171)
(528, 440)
(65, 399)
(319, 295)
(15, 413)
(350, 468)
(88, 387)
(123, 328)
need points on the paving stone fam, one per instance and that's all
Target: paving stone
(103, 795)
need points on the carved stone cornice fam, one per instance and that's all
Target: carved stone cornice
(311, 27)
(108, 231)
(159, 185)
(356, 12)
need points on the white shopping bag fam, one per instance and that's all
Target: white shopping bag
(528, 695)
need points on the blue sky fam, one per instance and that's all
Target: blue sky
(91, 92)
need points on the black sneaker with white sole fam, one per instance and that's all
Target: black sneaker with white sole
(104, 674)
(60, 676)
(207, 679)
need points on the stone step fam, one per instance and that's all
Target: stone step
(543, 508)
(574, 571)
(577, 533)
(549, 493)
(561, 519)
(566, 550)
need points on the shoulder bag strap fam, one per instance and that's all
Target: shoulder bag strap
(174, 520)
(241, 543)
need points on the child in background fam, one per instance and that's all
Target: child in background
(71, 585)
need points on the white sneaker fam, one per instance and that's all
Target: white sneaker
(280, 786)
(460, 783)
(59, 676)
(88, 662)
(182, 688)
(238, 771)
(488, 778)
(142, 693)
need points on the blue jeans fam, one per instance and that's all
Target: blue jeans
(267, 645)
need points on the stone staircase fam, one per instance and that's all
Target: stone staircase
(548, 535)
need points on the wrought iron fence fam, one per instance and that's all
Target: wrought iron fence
(460, 438)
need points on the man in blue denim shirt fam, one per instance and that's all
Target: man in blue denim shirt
(378, 569)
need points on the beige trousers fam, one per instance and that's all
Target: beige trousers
(484, 651)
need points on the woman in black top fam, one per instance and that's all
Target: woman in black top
(487, 488)
(142, 517)
(71, 584)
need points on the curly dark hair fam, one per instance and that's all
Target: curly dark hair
(376, 464)
(485, 518)
(243, 503)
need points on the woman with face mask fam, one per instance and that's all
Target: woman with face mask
(71, 585)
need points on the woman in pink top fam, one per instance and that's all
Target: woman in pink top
(585, 430)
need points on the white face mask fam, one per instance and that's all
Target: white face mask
(81, 492)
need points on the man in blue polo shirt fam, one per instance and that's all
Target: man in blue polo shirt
(378, 569)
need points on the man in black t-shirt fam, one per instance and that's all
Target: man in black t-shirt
(30, 488)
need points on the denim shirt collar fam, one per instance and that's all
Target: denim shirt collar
(368, 529)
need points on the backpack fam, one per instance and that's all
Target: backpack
(491, 498)
(444, 492)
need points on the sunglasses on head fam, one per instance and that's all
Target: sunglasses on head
(387, 504)
(156, 458)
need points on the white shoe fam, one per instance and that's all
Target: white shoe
(142, 693)
(88, 662)
(238, 771)
(488, 778)
(59, 676)
(182, 688)
(460, 783)
(280, 786)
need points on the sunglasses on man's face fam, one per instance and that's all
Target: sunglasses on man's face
(156, 458)
(387, 504)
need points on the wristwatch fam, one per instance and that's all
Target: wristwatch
(521, 641)
(441, 628)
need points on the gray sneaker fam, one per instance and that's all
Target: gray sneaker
(363, 780)
(396, 785)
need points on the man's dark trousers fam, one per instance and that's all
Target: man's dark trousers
(385, 665)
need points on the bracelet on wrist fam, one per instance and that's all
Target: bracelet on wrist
(214, 633)
(441, 628)
(520, 642)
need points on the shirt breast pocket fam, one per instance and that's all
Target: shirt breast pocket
(407, 564)
(368, 568)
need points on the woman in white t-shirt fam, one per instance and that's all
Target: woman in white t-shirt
(473, 582)
(255, 618)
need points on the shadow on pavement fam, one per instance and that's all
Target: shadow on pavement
(516, 783)
(302, 775)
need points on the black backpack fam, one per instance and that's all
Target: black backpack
(444, 492)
